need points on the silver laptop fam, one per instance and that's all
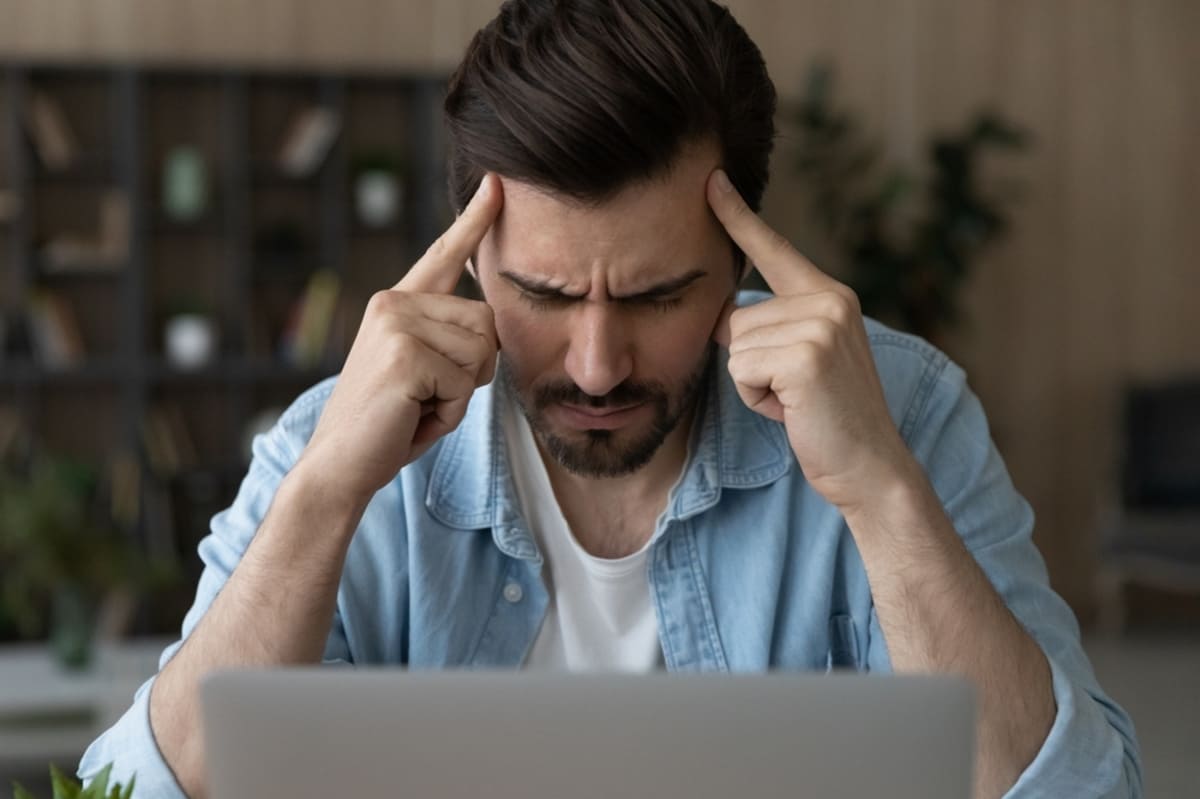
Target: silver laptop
(337, 732)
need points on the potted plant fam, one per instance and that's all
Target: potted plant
(190, 334)
(378, 188)
(61, 555)
(907, 243)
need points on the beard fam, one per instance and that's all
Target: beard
(607, 453)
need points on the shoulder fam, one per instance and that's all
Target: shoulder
(296, 424)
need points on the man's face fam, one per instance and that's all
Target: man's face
(605, 313)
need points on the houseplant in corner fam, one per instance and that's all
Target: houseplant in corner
(61, 554)
(907, 241)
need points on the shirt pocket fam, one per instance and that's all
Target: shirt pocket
(843, 643)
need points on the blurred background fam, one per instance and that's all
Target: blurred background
(198, 196)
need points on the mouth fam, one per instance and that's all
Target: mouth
(584, 417)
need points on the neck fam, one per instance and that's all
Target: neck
(614, 516)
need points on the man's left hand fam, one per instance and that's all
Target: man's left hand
(803, 358)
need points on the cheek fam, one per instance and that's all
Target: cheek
(530, 344)
(671, 347)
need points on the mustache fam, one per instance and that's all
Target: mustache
(627, 393)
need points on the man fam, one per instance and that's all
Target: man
(605, 464)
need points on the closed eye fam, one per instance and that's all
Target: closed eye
(553, 301)
(662, 298)
(660, 304)
(541, 301)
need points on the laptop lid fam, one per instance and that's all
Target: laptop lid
(324, 732)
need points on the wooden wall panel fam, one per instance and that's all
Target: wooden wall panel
(1096, 285)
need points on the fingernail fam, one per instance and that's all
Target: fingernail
(723, 181)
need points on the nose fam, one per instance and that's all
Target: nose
(599, 357)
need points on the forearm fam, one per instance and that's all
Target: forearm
(275, 609)
(940, 614)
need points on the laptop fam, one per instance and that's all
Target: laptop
(337, 732)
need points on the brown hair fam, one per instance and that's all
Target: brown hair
(584, 97)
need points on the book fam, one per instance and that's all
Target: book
(167, 442)
(57, 341)
(125, 488)
(308, 141)
(52, 136)
(103, 251)
(307, 337)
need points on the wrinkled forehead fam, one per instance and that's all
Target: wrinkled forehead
(648, 231)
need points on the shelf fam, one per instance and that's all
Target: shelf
(207, 225)
(262, 235)
(397, 230)
(298, 267)
(236, 370)
(25, 373)
(86, 170)
(268, 172)
(99, 270)
(234, 470)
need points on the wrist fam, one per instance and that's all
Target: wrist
(337, 486)
(894, 496)
(314, 499)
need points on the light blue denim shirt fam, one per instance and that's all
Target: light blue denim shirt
(751, 569)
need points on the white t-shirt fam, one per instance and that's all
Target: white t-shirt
(600, 616)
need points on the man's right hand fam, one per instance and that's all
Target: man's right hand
(419, 355)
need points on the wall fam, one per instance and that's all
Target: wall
(1096, 286)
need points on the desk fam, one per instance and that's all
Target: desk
(50, 714)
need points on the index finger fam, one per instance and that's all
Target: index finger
(442, 264)
(784, 268)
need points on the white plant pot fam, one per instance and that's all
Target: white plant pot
(378, 196)
(190, 341)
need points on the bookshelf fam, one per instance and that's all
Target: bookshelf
(244, 256)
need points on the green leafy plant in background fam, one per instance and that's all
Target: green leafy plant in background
(67, 788)
(908, 244)
(61, 554)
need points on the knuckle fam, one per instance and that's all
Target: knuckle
(839, 309)
(739, 321)
(380, 302)
(852, 300)
(846, 304)
(402, 349)
(826, 333)
(807, 358)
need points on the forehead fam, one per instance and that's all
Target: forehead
(654, 229)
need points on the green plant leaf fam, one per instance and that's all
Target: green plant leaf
(19, 792)
(65, 787)
(98, 787)
(128, 790)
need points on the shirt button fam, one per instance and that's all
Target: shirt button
(513, 592)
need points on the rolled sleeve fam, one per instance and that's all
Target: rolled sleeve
(130, 745)
(1091, 750)
(125, 746)
(1083, 740)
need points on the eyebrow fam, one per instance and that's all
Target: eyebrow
(545, 288)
